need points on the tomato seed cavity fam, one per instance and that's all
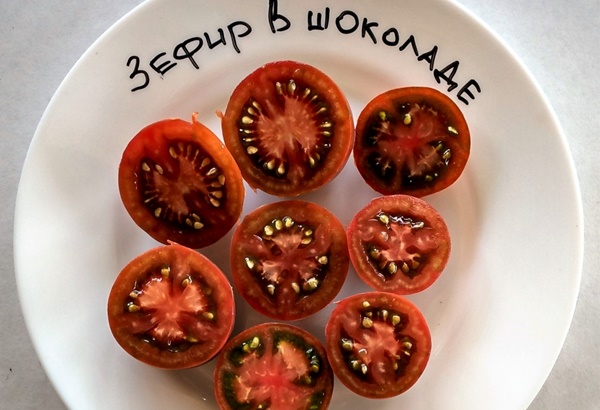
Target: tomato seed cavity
(288, 134)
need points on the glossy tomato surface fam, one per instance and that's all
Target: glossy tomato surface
(289, 259)
(378, 344)
(179, 183)
(412, 140)
(171, 308)
(399, 244)
(289, 127)
(273, 366)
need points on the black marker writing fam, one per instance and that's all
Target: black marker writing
(188, 50)
(275, 16)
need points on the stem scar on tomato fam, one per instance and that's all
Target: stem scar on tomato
(275, 366)
(399, 244)
(289, 259)
(179, 183)
(171, 308)
(378, 344)
(289, 127)
(412, 140)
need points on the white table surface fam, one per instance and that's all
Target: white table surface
(558, 40)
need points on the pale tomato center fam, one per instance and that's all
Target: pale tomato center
(168, 307)
(274, 377)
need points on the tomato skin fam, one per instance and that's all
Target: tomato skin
(394, 352)
(266, 126)
(286, 279)
(399, 244)
(172, 192)
(411, 140)
(206, 301)
(286, 367)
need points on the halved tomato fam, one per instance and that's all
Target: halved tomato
(273, 366)
(399, 244)
(179, 183)
(289, 259)
(412, 140)
(378, 344)
(171, 308)
(289, 127)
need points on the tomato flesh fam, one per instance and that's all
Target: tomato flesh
(412, 140)
(289, 259)
(276, 366)
(171, 308)
(290, 128)
(399, 244)
(179, 183)
(378, 344)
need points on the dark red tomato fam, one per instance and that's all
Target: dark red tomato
(273, 366)
(399, 244)
(378, 344)
(289, 128)
(412, 140)
(171, 308)
(289, 259)
(179, 183)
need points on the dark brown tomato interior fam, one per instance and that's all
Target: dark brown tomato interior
(378, 344)
(289, 259)
(179, 183)
(290, 128)
(171, 308)
(411, 140)
(399, 244)
(273, 366)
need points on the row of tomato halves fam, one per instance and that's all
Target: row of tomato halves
(288, 129)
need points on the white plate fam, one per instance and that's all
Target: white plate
(498, 315)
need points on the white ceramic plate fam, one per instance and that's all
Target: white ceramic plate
(498, 315)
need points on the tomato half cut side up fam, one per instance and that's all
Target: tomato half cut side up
(179, 183)
(273, 366)
(412, 140)
(399, 244)
(171, 308)
(289, 127)
(378, 344)
(289, 259)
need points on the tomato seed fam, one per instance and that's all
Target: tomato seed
(306, 241)
(384, 219)
(268, 230)
(214, 202)
(407, 119)
(278, 224)
(292, 86)
(249, 263)
(251, 150)
(347, 344)
(296, 287)
(364, 368)
(288, 222)
(145, 167)
(186, 282)
(323, 260)
(367, 322)
(165, 272)
(133, 308)
(396, 320)
(159, 169)
(311, 284)
(208, 315)
(452, 130)
(392, 268)
(271, 289)
(384, 314)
